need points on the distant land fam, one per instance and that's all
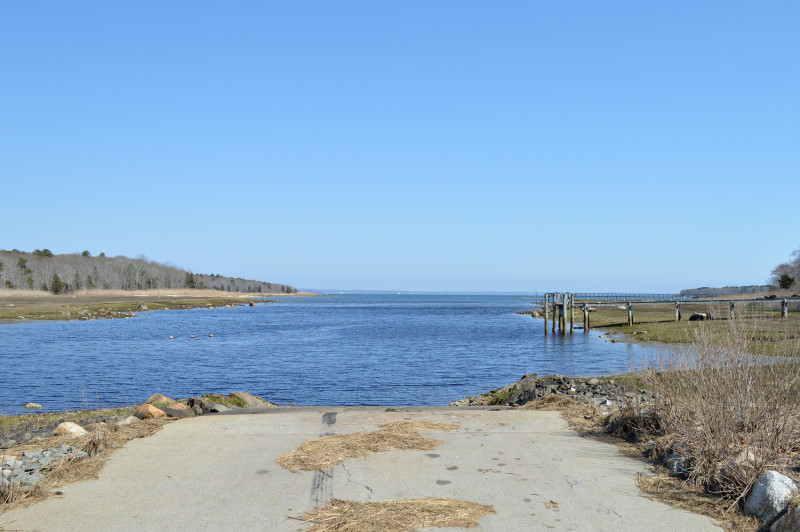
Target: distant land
(727, 290)
(333, 291)
(65, 273)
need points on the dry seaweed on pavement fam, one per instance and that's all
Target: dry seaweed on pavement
(395, 516)
(323, 453)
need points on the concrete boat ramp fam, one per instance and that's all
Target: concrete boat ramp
(219, 473)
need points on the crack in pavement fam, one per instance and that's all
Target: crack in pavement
(351, 481)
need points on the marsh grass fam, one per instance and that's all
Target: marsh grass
(99, 304)
(769, 333)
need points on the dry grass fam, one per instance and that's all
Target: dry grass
(100, 443)
(734, 415)
(98, 304)
(395, 516)
(328, 451)
(674, 492)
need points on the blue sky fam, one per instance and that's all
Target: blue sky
(449, 145)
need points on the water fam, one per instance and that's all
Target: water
(336, 350)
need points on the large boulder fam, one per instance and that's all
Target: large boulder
(32, 405)
(147, 411)
(769, 495)
(159, 399)
(251, 400)
(69, 429)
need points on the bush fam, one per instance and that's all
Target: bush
(732, 413)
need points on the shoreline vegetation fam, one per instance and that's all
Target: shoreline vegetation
(34, 305)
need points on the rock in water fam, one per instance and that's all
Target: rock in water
(32, 405)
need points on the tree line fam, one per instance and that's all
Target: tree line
(43, 270)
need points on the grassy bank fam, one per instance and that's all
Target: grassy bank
(764, 330)
(101, 304)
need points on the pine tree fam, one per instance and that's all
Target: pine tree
(57, 286)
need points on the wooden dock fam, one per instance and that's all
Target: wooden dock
(562, 304)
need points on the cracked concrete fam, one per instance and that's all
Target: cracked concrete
(219, 473)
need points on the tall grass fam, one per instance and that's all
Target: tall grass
(733, 414)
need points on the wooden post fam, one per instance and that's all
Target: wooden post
(555, 315)
(630, 313)
(784, 308)
(571, 315)
(677, 312)
(546, 314)
(563, 323)
(733, 310)
(585, 318)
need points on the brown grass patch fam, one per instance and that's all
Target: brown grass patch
(674, 492)
(328, 451)
(395, 516)
(100, 443)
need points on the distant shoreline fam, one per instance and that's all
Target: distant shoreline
(26, 306)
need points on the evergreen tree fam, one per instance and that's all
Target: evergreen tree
(57, 286)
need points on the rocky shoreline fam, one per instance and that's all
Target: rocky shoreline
(603, 392)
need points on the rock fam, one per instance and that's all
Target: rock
(30, 480)
(698, 316)
(159, 399)
(790, 522)
(676, 463)
(142, 306)
(252, 303)
(200, 405)
(251, 400)
(32, 405)
(769, 495)
(148, 411)
(593, 381)
(69, 429)
(177, 410)
(128, 420)
(219, 408)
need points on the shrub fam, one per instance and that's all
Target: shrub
(731, 412)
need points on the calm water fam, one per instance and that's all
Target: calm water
(343, 350)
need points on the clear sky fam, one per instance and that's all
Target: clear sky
(414, 145)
